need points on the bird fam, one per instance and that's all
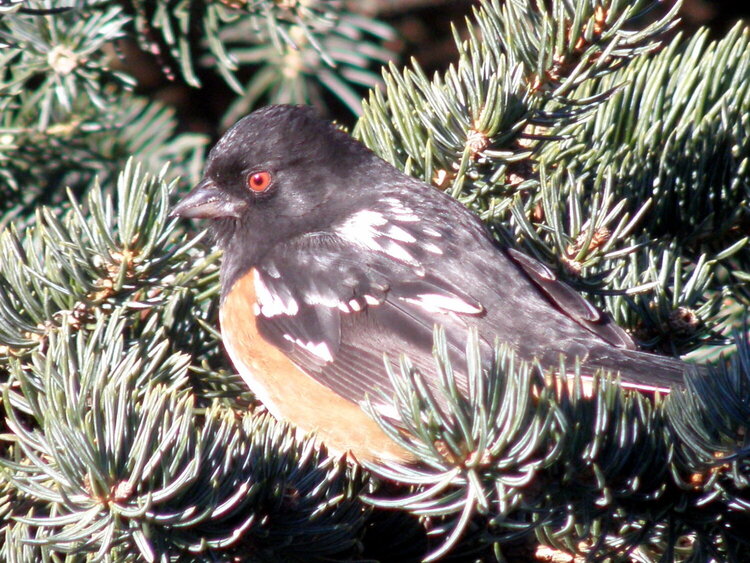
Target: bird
(333, 260)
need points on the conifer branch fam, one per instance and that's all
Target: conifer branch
(579, 133)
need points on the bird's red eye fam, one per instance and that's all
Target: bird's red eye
(259, 181)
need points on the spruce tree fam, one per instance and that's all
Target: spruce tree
(590, 134)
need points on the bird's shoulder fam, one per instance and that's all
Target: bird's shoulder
(362, 264)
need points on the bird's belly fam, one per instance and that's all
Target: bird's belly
(292, 395)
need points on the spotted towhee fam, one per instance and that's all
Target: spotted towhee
(333, 258)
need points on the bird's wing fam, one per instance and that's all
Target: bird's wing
(335, 310)
(435, 233)
(571, 302)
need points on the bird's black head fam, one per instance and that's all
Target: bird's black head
(278, 173)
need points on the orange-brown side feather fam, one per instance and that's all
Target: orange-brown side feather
(292, 395)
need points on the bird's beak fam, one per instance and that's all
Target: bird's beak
(207, 201)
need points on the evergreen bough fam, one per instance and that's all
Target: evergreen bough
(586, 133)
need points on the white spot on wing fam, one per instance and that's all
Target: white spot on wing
(399, 253)
(270, 303)
(370, 300)
(358, 304)
(362, 222)
(398, 233)
(314, 298)
(400, 211)
(386, 411)
(361, 229)
(319, 349)
(429, 247)
(436, 303)
(407, 218)
(272, 270)
(367, 229)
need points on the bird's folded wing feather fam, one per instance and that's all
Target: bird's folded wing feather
(571, 302)
(335, 311)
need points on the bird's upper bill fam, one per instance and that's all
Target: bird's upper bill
(207, 201)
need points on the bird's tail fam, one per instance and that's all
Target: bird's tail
(644, 371)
